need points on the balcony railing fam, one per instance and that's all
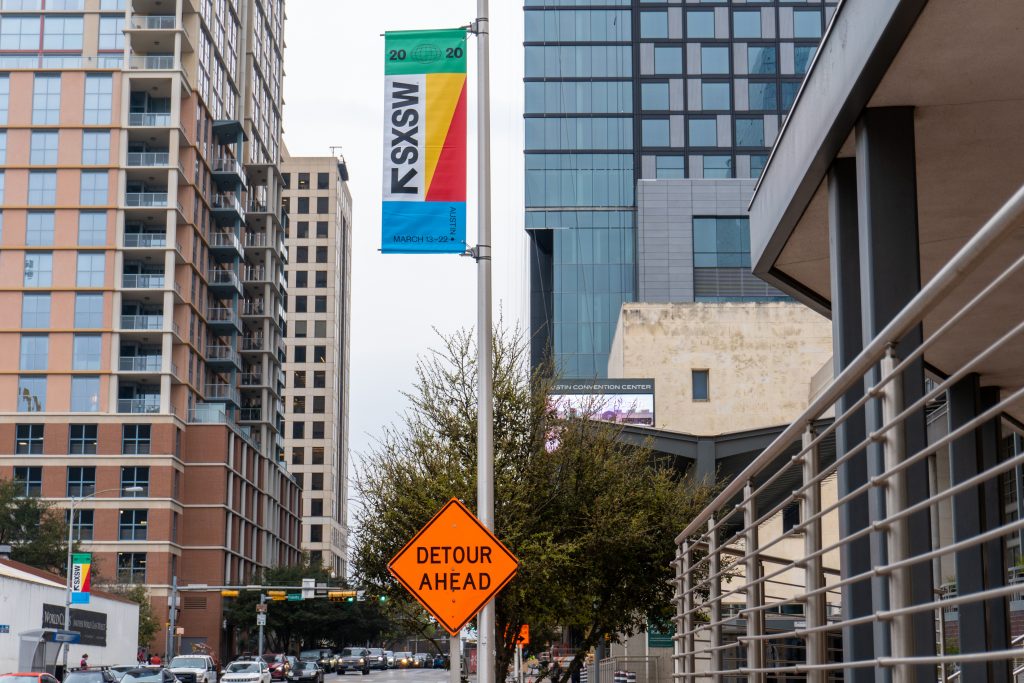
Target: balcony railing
(251, 379)
(145, 240)
(210, 413)
(250, 415)
(225, 239)
(142, 322)
(153, 22)
(146, 406)
(151, 61)
(221, 352)
(140, 363)
(142, 281)
(146, 119)
(220, 276)
(149, 158)
(220, 314)
(874, 521)
(221, 391)
(253, 344)
(254, 274)
(253, 307)
(226, 201)
(157, 199)
(229, 165)
(255, 239)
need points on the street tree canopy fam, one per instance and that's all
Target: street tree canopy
(36, 532)
(591, 519)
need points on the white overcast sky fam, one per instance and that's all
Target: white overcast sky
(333, 91)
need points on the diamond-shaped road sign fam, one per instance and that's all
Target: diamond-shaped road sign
(454, 565)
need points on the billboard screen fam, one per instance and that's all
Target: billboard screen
(625, 401)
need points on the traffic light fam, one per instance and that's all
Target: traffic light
(383, 598)
(229, 594)
(339, 596)
(350, 598)
(277, 596)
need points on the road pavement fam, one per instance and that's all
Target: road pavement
(396, 676)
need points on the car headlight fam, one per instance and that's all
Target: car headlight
(362, 661)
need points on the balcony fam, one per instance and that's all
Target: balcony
(229, 172)
(210, 413)
(255, 274)
(142, 281)
(227, 208)
(250, 415)
(148, 159)
(151, 62)
(146, 364)
(222, 356)
(226, 245)
(222, 278)
(146, 323)
(255, 239)
(153, 23)
(253, 344)
(149, 119)
(253, 308)
(145, 240)
(251, 380)
(219, 391)
(146, 199)
(148, 405)
(222, 316)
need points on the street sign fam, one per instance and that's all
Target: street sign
(659, 638)
(261, 608)
(294, 597)
(308, 589)
(454, 565)
(524, 635)
(261, 619)
(179, 630)
(5, 628)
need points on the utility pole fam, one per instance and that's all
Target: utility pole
(171, 640)
(263, 600)
(485, 398)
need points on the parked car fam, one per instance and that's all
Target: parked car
(194, 668)
(279, 665)
(148, 674)
(403, 660)
(90, 676)
(378, 660)
(354, 659)
(32, 677)
(121, 669)
(391, 658)
(251, 671)
(306, 672)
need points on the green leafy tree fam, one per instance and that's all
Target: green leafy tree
(305, 624)
(591, 519)
(149, 625)
(36, 531)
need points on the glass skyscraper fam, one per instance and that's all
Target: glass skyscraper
(618, 91)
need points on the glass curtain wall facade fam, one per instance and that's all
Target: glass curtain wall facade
(622, 90)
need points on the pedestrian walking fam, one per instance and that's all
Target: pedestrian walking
(84, 664)
(556, 671)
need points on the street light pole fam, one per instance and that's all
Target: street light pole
(67, 569)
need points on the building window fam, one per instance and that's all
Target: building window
(802, 57)
(303, 181)
(320, 328)
(3, 147)
(95, 148)
(131, 525)
(790, 517)
(319, 404)
(301, 305)
(654, 24)
(94, 188)
(323, 181)
(86, 352)
(34, 351)
(316, 482)
(703, 132)
(322, 205)
(85, 394)
(668, 60)
(302, 230)
(82, 527)
(81, 481)
(762, 59)
(806, 23)
(321, 279)
(789, 92)
(20, 33)
(88, 311)
(316, 533)
(5, 96)
(319, 379)
(134, 477)
(35, 311)
(320, 304)
(45, 93)
(670, 166)
(721, 242)
(286, 181)
(654, 96)
(318, 430)
(302, 205)
(135, 439)
(700, 24)
(746, 24)
(111, 36)
(299, 354)
(298, 430)
(298, 404)
(299, 379)
(655, 133)
(302, 254)
(701, 386)
(42, 188)
(717, 166)
(714, 60)
(28, 440)
(131, 567)
(715, 96)
(298, 455)
(43, 150)
(82, 440)
(92, 228)
(762, 96)
(318, 455)
(319, 354)
(321, 230)
(757, 163)
(750, 132)
(299, 329)
(99, 90)
(90, 269)
(38, 269)
(321, 254)
(316, 507)
(39, 228)
(62, 33)
(29, 481)
(301, 279)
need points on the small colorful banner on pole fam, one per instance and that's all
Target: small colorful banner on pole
(424, 208)
(81, 578)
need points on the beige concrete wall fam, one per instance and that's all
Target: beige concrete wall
(761, 358)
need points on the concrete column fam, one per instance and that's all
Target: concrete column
(847, 342)
(890, 277)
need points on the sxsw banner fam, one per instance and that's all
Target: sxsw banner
(81, 578)
(424, 208)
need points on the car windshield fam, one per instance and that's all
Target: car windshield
(243, 668)
(19, 679)
(310, 654)
(376, 651)
(307, 665)
(188, 663)
(352, 652)
(84, 677)
(405, 655)
(143, 675)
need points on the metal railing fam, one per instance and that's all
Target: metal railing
(222, 352)
(146, 406)
(140, 363)
(221, 276)
(226, 201)
(253, 307)
(157, 199)
(251, 379)
(151, 61)
(153, 22)
(225, 239)
(255, 274)
(149, 158)
(219, 390)
(229, 165)
(255, 239)
(142, 281)
(142, 322)
(221, 314)
(756, 601)
(253, 344)
(145, 240)
(149, 119)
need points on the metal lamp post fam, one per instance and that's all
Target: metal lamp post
(67, 571)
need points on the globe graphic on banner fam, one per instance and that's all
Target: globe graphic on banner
(426, 53)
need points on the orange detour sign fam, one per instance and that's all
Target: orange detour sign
(524, 635)
(454, 566)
